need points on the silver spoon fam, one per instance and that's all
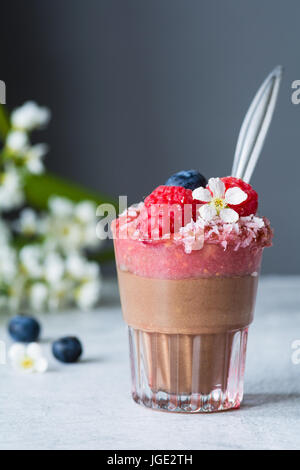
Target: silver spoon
(255, 126)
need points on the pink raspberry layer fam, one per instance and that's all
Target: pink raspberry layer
(220, 253)
(167, 260)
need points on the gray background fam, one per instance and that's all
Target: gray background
(141, 89)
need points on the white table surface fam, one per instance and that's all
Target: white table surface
(88, 405)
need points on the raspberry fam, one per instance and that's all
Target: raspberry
(247, 207)
(167, 209)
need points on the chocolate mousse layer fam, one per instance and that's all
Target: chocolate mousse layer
(188, 306)
(188, 335)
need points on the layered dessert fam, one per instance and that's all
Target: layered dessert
(188, 260)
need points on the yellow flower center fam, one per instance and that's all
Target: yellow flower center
(219, 204)
(65, 231)
(27, 363)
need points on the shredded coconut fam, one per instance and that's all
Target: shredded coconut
(246, 231)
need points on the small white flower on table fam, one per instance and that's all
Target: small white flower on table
(216, 200)
(28, 358)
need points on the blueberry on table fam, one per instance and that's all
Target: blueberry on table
(24, 329)
(189, 179)
(67, 349)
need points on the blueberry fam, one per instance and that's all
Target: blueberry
(24, 328)
(67, 349)
(189, 179)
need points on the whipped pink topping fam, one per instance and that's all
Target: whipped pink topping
(199, 249)
(247, 231)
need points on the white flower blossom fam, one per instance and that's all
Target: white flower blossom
(88, 294)
(28, 222)
(11, 292)
(31, 261)
(79, 268)
(30, 116)
(34, 158)
(67, 234)
(28, 358)
(60, 294)
(8, 264)
(53, 268)
(217, 200)
(38, 296)
(11, 190)
(85, 212)
(89, 236)
(87, 273)
(56, 281)
(61, 206)
(76, 266)
(17, 142)
(73, 226)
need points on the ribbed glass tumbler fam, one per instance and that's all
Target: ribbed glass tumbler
(187, 372)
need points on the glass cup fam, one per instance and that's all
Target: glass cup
(188, 322)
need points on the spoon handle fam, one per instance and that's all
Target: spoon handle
(255, 126)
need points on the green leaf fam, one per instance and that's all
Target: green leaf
(4, 122)
(19, 241)
(103, 256)
(38, 189)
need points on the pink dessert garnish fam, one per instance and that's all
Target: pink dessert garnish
(213, 248)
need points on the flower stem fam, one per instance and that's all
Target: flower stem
(4, 122)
